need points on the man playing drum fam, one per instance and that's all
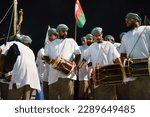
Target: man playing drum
(102, 53)
(136, 45)
(61, 85)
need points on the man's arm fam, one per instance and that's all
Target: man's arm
(77, 58)
(82, 63)
(118, 60)
(123, 57)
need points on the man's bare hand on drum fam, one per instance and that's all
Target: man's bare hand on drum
(47, 60)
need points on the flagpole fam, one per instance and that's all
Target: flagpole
(75, 35)
(75, 25)
(15, 16)
(145, 20)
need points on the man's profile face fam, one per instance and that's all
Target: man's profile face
(130, 22)
(52, 37)
(84, 42)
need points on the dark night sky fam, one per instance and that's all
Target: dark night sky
(108, 14)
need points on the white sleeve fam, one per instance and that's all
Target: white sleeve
(148, 36)
(47, 50)
(122, 47)
(76, 48)
(115, 53)
(86, 54)
(37, 58)
(2, 47)
(5, 47)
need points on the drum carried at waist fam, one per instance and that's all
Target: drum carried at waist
(63, 65)
(137, 68)
(112, 74)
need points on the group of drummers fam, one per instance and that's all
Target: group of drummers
(104, 69)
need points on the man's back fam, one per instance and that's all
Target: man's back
(24, 70)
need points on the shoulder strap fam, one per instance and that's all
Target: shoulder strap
(136, 42)
(102, 50)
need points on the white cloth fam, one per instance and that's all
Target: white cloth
(117, 45)
(24, 71)
(46, 72)
(40, 64)
(83, 74)
(101, 53)
(83, 48)
(46, 37)
(66, 48)
(3, 81)
(142, 48)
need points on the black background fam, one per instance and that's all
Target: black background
(38, 14)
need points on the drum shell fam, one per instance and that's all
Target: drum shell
(109, 74)
(136, 68)
(63, 65)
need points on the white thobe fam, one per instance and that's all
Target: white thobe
(24, 71)
(40, 63)
(66, 48)
(117, 45)
(83, 74)
(101, 53)
(142, 47)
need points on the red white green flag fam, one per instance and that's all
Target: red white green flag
(79, 15)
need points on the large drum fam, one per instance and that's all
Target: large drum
(137, 68)
(63, 65)
(109, 74)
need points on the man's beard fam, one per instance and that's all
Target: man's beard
(131, 27)
(99, 40)
(63, 36)
(89, 43)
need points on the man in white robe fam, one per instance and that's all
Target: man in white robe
(24, 76)
(102, 53)
(61, 86)
(84, 89)
(136, 45)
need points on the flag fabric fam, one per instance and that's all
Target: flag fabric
(46, 38)
(40, 95)
(79, 15)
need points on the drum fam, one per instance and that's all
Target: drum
(137, 68)
(109, 74)
(63, 65)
